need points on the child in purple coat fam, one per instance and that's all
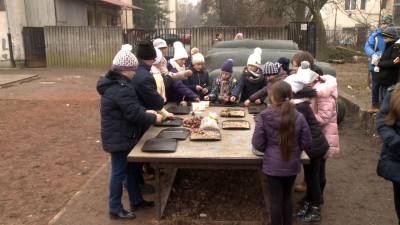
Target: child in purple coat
(281, 132)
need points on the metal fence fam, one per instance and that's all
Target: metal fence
(347, 38)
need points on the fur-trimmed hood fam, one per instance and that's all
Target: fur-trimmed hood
(327, 88)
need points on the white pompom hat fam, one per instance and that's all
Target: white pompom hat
(125, 60)
(179, 51)
(255, 58)
(197, 58)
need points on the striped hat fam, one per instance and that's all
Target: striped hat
(125, 60)
(271, 68)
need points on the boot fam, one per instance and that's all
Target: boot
(302, 187)
(303, 211)
(374, 108)
(314, 215)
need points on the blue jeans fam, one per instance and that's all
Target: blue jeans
(375, 89)
(120, 170)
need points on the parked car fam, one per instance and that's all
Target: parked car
(171, 38)
(186, 38)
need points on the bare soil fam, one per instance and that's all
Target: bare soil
(50, 146)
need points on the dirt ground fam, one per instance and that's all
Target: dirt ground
(50, 146)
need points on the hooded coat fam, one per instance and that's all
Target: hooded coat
(122, 117)
(324, 108)
(319, 144)
(266, 139)
(388, 71)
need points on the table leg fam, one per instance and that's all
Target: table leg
(158, 193)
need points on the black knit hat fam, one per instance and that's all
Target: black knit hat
(390, 32)
(146, 51)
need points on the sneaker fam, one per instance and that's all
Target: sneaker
(143, 205)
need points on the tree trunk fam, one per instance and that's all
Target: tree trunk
(322, 45)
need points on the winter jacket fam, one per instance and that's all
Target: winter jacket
(200, 78)
(388, 71)
(227, 88)
(389, 162)
(266, 139)
(179, 90)
(122, 117)
(324, 108)
(263, 93)
(146, 88)
(246, 86)
(319, 145)
(374, 44)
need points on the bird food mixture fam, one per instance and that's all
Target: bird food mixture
(205, 134)
(235, 124)
(232, 112)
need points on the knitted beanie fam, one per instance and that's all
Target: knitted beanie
(159, 43)
(158, 57)
(387, 18)
(255, 58)
(390, 32)
(227, 66)
(125, 60)
(146, 51)
(194, 50)
(284, 63)
(271, 68)
(197, 58)
(179, 51)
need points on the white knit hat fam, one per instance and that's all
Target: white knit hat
(157, 60)
(160, 43)
(303, 76)
(197, 58)
(125, 60)
(179, 51)
(255, 58)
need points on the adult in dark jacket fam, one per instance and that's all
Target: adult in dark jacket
(273, 72)
(388, 127)
(122, 119)
(199, 82)
(311, 211)
(389, 63)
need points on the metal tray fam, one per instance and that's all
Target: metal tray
(176, 122)
(179, 110)
(256, 109)
(195, 136)
(175, 133)
(160, 145)
(234, 113)
(235, 124)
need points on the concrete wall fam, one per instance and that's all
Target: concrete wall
(40, 13)
(17, 20)
(353, 18)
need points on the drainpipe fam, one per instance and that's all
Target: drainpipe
(10, 48)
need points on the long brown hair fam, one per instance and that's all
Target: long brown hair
(282, 93)
(394, 109)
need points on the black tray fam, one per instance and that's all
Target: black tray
(175, 133)
(160, 145)
(226, 126)
(256, 109)
(179, 110)
(219, 104)
(176, 122)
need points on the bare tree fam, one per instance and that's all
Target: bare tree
(187, 15)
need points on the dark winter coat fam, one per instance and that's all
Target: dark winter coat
(178, 90)
(266, 139)
(388, 71)
(389, 162)
(122, 117)
(319, 145)
(246, 87)
(201, 78)
(263, 93)
(146, 88)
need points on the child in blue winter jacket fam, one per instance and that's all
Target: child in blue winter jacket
(199, 82)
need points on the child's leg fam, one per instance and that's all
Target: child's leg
(287, 208)
(281, 199)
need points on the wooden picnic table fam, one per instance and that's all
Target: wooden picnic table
(233, 151)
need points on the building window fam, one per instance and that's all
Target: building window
(363, 2)
(350, 4)
(2, 6)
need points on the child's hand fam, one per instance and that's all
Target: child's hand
(199, 88)
(232, 99)
(247, 103)
(258, 101)
(159, 118)
(196, 99)
(205, 91)
(170, 115)
(207, 98)
(396, 60)
(188, 73)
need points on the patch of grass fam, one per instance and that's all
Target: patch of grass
(347, 54)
